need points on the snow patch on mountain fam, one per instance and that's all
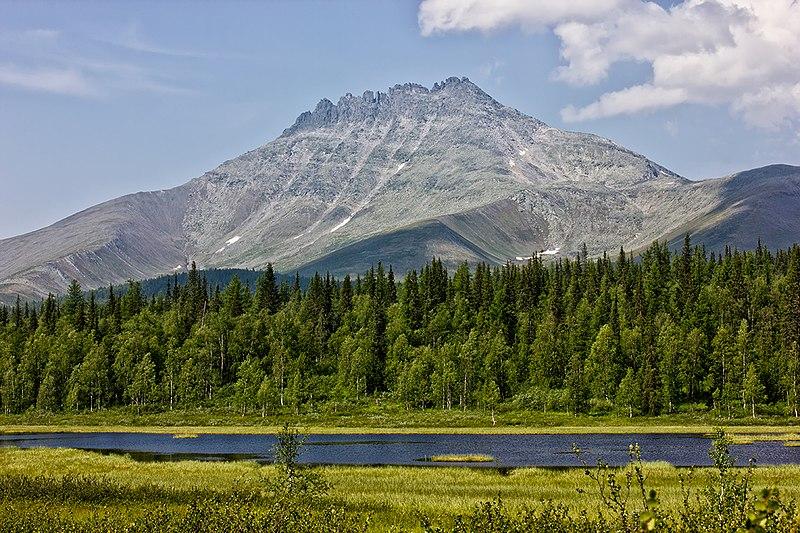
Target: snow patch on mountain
(553, 251)
(342, 223)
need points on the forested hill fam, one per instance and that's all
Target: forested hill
(209, 278)
(669, 332)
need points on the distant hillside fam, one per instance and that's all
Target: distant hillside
(214, 277)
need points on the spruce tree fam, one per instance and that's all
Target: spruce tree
(233, 297)
(267, 297)
(345, 296)
(74, 306)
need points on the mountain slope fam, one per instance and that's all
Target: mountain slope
(131, 237)
(400, 176)
(762, 203)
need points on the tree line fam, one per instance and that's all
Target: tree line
(664, 333)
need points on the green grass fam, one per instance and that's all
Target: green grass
(390, 418)
(392, 495)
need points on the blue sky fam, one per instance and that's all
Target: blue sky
(102, 99)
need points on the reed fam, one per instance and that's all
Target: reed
(391, 496)
(461, 458)
(185, 436)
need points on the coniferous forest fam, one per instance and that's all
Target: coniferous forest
(660, 333)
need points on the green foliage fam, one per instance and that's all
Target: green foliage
(294, 483)
(245, 512)
(648, 337)
(628, 394)
(626, 500)
(494, 517)
(87, 490)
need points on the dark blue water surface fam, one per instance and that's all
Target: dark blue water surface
(395, 449)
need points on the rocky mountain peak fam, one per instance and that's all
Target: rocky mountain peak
(408, 99)
(463, 87)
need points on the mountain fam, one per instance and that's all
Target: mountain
(762, 203)
(402, 176)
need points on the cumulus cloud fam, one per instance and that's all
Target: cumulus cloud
(626, 102)
(739, 53)
(459, 15)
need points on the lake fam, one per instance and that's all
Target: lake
(396, 449)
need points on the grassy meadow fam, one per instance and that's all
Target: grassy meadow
(394, 497)
(387, 417)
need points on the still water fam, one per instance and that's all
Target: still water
(357, 449)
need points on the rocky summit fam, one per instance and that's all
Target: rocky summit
(401, 176)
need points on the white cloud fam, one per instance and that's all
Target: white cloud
(46, 60)
(739, 53)
(52, 80)
(626, 102)
(460, 15)
(771, 107)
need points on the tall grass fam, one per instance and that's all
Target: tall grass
(391, 496)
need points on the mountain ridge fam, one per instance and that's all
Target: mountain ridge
(445, 171)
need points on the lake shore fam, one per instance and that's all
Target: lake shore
(389, 419)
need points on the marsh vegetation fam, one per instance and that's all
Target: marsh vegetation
(461, 458)
(73, 490)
